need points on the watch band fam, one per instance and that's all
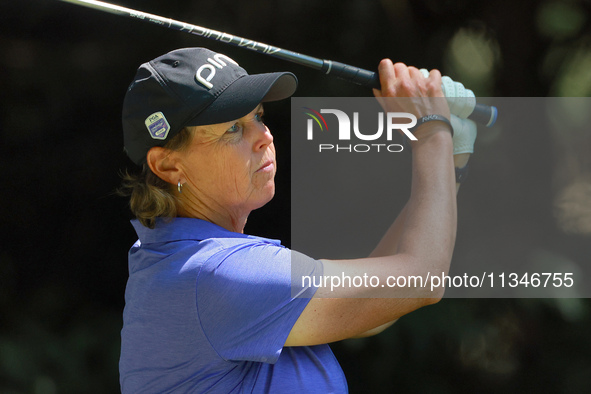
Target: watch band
(430, 118)
(461, 174)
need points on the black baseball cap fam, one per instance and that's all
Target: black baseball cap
(192, 87)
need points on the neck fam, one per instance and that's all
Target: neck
(231, 219)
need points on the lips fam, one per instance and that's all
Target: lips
(267, 166)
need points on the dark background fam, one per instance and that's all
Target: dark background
(64, 234)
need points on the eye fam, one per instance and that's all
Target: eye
(234, 129)
(260, 117)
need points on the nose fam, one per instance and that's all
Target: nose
(263, 139)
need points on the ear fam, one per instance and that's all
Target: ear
(164, 165)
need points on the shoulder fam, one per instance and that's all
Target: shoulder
(248, 264)
(235, 257)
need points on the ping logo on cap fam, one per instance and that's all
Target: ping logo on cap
(218, 63)
(157, 125)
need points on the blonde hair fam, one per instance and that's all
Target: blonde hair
(149, 196)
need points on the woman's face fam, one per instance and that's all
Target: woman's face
(231, 166)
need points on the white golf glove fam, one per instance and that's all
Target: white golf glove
(464, 135)
(461, 101)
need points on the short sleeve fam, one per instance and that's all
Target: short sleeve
(246, 301)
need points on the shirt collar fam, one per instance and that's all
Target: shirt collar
(178, 229)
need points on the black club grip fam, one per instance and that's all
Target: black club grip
(483, 114)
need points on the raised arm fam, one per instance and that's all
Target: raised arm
(424, 244)
(389, 243)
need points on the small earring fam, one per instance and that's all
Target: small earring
(179, 187)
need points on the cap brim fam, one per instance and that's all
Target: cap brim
(244, 94)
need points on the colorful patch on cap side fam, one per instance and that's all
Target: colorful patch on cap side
(157, 125)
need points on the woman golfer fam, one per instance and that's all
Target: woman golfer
(210, 309)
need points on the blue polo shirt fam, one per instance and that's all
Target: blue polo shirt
(208, 311)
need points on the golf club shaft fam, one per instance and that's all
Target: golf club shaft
(482, 113)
